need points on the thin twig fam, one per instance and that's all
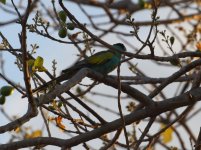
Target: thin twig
(120, 108)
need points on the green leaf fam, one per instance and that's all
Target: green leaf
(70, 26)
(141, 3)
(3, 1)
(78, 90)
(62, 33)
(62, 15)
(7, 90)
(171, 40)
(60, 104)
(51, 107)
(2, 100)
(42, 69)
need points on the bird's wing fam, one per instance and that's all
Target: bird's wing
(99, 58)
(96, 59)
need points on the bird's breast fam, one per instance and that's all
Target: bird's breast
(107, 67)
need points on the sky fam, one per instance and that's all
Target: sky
(65, 55)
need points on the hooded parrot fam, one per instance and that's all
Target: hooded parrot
(102, 62)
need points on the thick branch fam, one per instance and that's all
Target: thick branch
(160, 107)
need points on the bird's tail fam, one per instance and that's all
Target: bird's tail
(53, 82)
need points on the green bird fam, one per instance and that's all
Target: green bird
(102, 62)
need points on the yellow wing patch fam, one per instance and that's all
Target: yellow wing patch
(100, 58)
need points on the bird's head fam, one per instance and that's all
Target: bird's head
(120, 46)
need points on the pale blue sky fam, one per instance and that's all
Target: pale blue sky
(65, 55)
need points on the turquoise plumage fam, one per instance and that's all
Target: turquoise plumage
(102, 62)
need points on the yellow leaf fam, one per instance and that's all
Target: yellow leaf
(34, 134)
(54, 105)
(17, 130)
(42, 69)
(36, 65)
(147, 5)
(38, 62)
(51, 118)
(167, 134)
(27, 136)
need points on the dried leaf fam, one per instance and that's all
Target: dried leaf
(34, 134)
(17, 130)
(167, 134)
(198, 45)
(58, 122)
(74, 36)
